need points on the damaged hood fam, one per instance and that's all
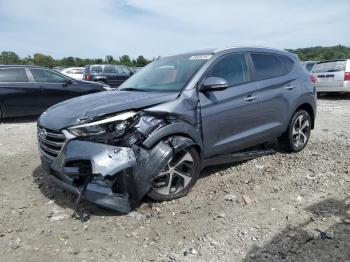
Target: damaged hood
(72, 111)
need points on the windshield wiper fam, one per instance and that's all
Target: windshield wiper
(132, 89)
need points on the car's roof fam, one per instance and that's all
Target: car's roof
(104, 65)
(305, 62)
(333, 60)
(214, 51)
(29, 66)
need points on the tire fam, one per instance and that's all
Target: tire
(186, 161)
(298, 133)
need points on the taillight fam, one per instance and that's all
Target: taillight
(313, 79)
(87, 77)
(347, 76)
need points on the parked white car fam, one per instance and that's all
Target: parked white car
(332, 76)
(74, 72)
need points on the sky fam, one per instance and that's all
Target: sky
(96, 28)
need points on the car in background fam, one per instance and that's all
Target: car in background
(30, 90)
(332, 76)
(58, 68)
(74, 72)
(308, 65)
(135, 69)
(112, 75)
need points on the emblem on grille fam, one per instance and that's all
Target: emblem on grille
(42, 133)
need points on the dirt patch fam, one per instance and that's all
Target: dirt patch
(283, 206)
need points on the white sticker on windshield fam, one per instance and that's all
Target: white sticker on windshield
(200, 57)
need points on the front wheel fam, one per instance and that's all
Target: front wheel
(298, 133)
(177, 177)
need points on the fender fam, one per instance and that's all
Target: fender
(174, 129)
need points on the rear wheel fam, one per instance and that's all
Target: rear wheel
(177, 177)
(298, 132)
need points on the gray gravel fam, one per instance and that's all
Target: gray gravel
(292, 207)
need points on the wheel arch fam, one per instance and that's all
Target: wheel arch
(308, 108)
(179, 129)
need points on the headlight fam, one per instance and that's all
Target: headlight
(115, 125)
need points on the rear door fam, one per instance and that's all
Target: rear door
(18, 95)
(276, 91)
(330, 74)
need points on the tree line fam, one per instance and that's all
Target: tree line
(9, 58)
(317, 53)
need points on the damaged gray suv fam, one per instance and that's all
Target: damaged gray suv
(179, 114)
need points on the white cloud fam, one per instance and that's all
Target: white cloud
(95, 28)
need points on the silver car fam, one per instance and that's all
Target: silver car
(332, 76)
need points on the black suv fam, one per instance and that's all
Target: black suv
(30, 90)
(112, 75)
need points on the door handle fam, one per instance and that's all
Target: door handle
(250, 98)
(289, 87)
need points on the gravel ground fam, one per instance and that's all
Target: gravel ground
(293, 207)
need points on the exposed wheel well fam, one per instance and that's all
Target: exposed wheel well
(195, 145)
(308, 108)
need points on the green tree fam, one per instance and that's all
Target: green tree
(8, 57)
(43, 60)
(125, 60)
(109, 59)
(141, 61)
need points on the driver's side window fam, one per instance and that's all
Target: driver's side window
(46, 76)
(233, 68)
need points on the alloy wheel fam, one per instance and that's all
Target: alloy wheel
(301, 131)
(176, 176)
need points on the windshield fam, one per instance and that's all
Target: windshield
(332, 66)
(165, 74)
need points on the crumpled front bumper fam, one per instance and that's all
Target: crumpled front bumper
(107, 164)
(106, 161)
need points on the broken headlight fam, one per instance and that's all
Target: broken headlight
(115, 125)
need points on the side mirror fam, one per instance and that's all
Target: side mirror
(67, 82)
(213, 84)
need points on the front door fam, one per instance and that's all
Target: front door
(230, 118)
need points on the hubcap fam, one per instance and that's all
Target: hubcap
(301, 131)
(175, 176)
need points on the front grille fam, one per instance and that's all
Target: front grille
(50, 142)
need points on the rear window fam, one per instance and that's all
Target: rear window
(13, 75)
(96, 69)
(287, 63)
(267, 66)
(309, 67)
(332, 66)
(109, 69)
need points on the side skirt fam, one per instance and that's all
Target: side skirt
(236, 157)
